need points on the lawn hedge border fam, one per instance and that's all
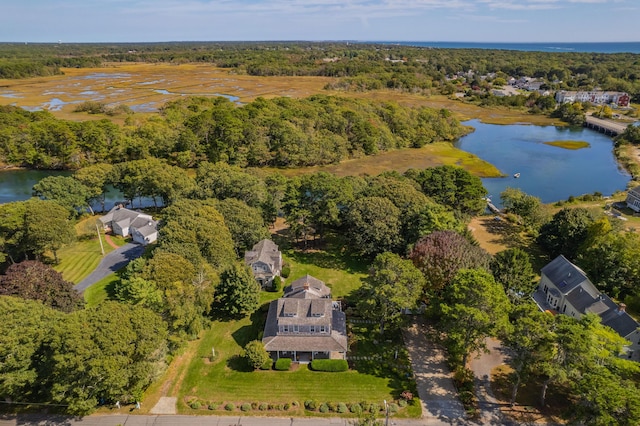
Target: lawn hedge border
(329, 365)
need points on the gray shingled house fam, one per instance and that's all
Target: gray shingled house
(305, 324)
(565, 289)
(265, 261)
(142, 228)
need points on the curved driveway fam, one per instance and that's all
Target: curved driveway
(117, 259)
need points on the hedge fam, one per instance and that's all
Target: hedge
(283, 364)
(331, 365)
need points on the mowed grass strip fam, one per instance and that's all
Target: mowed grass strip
(79, 259)
(100, 291)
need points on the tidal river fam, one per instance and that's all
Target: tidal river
(548, 172)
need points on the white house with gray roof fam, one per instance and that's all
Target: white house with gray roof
(140, 226)
(565, 289)
(305, 324)
(265, 261)
(633, 199)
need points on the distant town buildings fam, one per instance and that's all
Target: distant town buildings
(598, 97)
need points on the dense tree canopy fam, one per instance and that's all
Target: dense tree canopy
(566, 232)
(452, 186)
(238, 293)
(373, 226)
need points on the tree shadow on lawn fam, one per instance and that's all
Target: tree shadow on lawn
(246, 334)
(382, 356)
(239, 364)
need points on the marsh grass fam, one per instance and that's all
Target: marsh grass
(572, 145)
(432, 155)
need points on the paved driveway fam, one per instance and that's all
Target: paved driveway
(113, 261)
(482, 364)
(437, 393)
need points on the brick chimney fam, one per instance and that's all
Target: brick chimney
(622, 308)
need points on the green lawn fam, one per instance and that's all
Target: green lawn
(341, 273)
(227, 378)
(79, 259)
(100, 291)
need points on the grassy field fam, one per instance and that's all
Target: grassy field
(100, 291)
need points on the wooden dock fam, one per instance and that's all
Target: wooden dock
(607, 127)
(493, 208)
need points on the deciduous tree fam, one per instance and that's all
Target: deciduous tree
(36, 281)
(393, 284)
(473, 307)
(441, 254)
(373, 226)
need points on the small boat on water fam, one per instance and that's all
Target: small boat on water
(517, 175)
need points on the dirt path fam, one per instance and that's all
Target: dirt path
(109, 241)
(482, 365)
(437, 393)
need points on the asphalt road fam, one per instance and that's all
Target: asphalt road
(170, 420)
(117, 259)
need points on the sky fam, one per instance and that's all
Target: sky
(361, 20)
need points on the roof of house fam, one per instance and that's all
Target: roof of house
(336, 341)
(564, 275)
(618, 319)
(307, 287)
(303, 311)
(147, 229)
(265, 251)
(126, 218)
(635, 192)
(585, 297)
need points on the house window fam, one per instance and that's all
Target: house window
(295, 328)
(564, 309)
(285, 328)
(312, 328)
(323, 329)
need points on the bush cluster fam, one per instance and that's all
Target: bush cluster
(330, 365)
(355, 408)
(283, 364)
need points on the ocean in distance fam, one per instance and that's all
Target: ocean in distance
(610, 47)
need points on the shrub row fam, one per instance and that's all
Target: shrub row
(331, 365)
(197, 404)
(355, 408)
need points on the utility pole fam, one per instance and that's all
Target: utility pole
(386, 409)
(99, 239)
